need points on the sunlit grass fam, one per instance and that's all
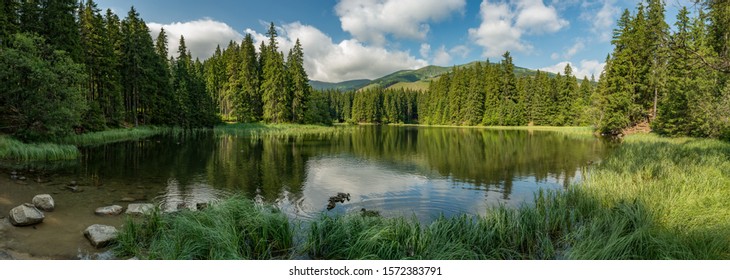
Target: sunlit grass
(279, 130)
(113, 135)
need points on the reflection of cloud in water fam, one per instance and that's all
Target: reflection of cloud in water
(394, 191)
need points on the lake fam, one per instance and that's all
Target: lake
(420, 172)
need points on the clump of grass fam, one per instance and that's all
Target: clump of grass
(113, 135)
(233, 229)
(278, 130)
(12, 149)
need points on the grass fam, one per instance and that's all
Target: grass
(113, 135)
(12, 149)
(653, 198)
(232, 230)
(278, 130)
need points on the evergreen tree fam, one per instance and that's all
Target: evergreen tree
(59, 26)
(300, 88)
(275, 83)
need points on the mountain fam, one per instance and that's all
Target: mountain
(343, 86)
(418, 79)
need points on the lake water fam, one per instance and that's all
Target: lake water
(398, 171)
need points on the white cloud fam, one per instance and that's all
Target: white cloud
(554, 56)
(350, 59)
(496, 34)
(601, 20)
(425, 50)
(503, 25)
(371, 20)
(201, 36)
(586, 68)
(442, 57)
(578, 46)
(460, 50)
(536, 18)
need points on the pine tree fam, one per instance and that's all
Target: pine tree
(300, 87)
(59, 26)
(275, 84)
(474, 111)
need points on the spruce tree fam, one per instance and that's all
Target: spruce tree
(300, 88)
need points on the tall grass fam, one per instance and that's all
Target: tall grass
(233, 229)
(12, 149)
(279, 130)
(113, 135)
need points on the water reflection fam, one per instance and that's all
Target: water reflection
(395, 170)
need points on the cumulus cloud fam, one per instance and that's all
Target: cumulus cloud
(585, 68)
(536, 18)
(601, 19)
(442, 57)
(350, 59)
(425, 50)
(372, 20)
(497, 33)
(573, 50)
(201, 36)
(503, 25)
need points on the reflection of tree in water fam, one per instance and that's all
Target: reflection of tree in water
(269, 166)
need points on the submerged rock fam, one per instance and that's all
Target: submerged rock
(100, 235)
(44, 202)
(26, 215)
(127, 199)
(139, 209)
(112, 210)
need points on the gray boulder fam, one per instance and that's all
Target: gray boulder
(139, 209)
(109, 210)
(25, 215)
(100, 235)
(44, 202)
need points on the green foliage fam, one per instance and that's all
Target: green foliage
(40, 99)
(230, 230)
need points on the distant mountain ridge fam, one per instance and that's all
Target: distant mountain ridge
(414, 79)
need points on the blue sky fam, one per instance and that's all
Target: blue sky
(353, 39)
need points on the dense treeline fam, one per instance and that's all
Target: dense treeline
(491, 94)
(372, 105)
(677, 81)
(479, 94)
(71, 68)
(249, 86)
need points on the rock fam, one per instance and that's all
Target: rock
(22, 178)
(201, 205)
(139, 209)
(100, 235)
(5, 255)
(73, 184)
(13, 177)
(14, 173)
(75, 189)
(109, 210)
(25, 215)
(44, 202)
(38, 180)
(127, 199)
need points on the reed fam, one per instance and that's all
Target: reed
(12, 149)
(113, 135)
(233, 229)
